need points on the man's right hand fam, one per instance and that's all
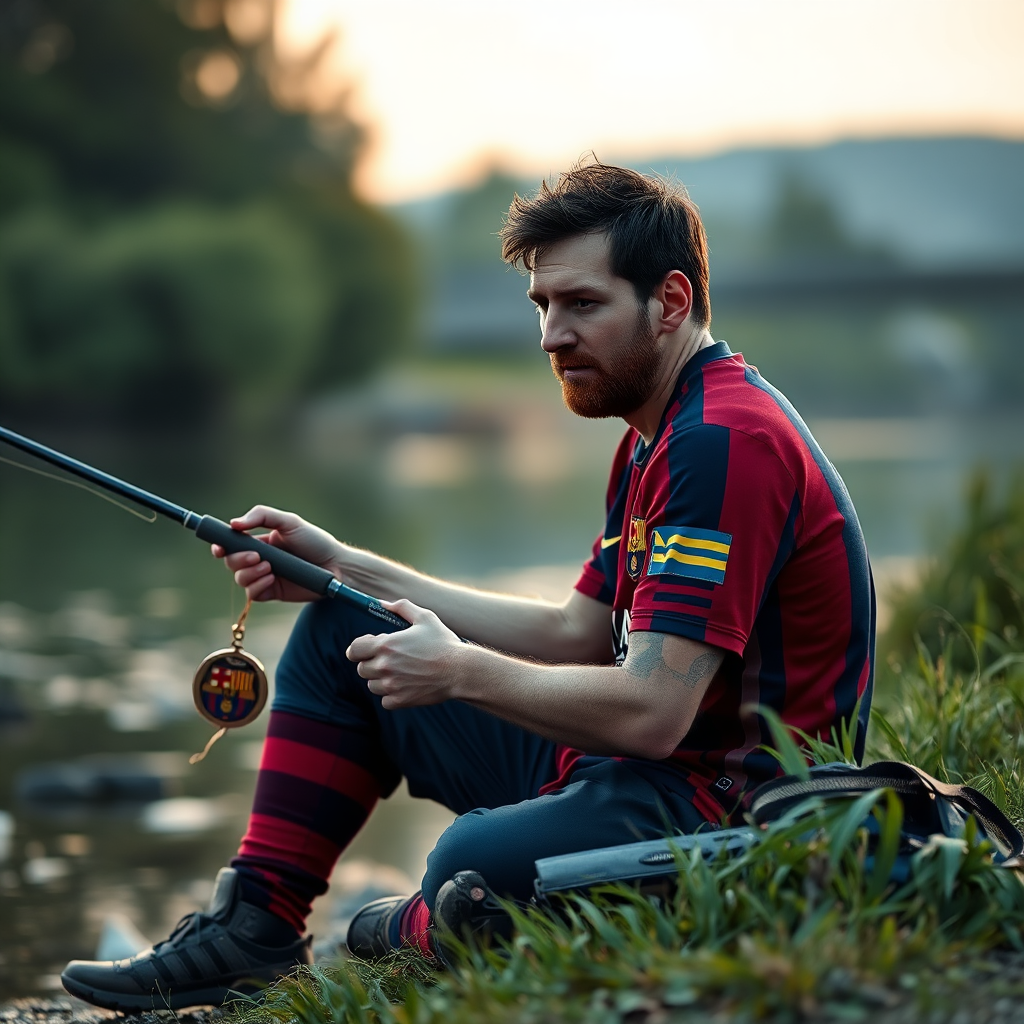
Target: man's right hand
(290, 533)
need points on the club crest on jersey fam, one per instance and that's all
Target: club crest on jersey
(687, 551)
(636, 546)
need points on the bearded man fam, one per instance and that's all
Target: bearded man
(731, 574)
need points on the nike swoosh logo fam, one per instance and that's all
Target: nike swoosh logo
(607, 542)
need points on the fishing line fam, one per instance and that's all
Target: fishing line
(196, 758)
(146, 518)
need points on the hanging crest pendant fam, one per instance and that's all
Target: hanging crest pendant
(230, 686)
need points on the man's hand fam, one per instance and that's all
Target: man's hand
(412, 667)
(290, 533)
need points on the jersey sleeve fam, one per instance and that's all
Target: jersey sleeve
(599, 578)
(593, 580)
(720, 510)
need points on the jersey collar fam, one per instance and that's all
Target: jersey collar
(693, 366)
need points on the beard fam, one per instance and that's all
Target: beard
(618, 389)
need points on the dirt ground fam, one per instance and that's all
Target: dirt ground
(65, 1010)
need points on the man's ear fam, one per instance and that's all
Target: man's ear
(675, 296)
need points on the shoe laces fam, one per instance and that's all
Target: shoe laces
(187, 924)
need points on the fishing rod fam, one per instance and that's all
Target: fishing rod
(214, 531)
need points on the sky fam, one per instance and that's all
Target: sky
(450, 88)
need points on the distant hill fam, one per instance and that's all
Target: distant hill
(882, 275)
(932, 201)
(946, 202)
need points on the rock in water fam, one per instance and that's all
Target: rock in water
(119, 939)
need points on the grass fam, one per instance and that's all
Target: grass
(977, 580)
(805, 924)
(951, 680)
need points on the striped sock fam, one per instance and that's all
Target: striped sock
(310, 802)
(414, 927)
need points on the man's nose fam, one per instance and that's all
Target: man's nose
(555, 334)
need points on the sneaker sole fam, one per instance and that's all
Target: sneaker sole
(125, 1002)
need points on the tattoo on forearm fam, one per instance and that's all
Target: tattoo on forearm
(646, 656)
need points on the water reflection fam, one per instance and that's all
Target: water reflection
(108, 824)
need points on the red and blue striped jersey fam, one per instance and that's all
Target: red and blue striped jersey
(734, 529)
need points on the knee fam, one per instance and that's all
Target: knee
(313, 664)
(466, 845)
(304, 645)
(316, 620)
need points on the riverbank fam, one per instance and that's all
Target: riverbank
(66, 1010)
(992, 993)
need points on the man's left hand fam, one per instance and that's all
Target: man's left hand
(412, 667)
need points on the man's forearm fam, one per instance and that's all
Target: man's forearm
(600, 709)
(528, 628)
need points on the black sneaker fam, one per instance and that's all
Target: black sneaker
(466, 910)
(369, 934)
(208, 957)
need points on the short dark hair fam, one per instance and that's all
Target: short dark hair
(652, 224)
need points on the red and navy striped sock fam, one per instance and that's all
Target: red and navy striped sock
(414, 927)
(315, 788)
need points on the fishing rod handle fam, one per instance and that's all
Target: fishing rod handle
(283, 563)
(291, 567)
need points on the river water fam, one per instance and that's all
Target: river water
(103, 619)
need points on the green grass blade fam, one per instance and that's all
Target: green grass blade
(890, 825)
(785, 751)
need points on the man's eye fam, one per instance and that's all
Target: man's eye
(583, 303)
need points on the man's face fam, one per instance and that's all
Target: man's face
(598, 337)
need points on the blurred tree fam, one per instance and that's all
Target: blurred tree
(805, 228)
(178, 230)
(470, 233)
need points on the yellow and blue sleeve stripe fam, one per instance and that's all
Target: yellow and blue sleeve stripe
(687, 551)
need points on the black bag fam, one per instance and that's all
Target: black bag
(930, 807)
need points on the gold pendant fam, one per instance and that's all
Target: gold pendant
(230, 686)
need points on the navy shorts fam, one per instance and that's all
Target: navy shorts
(486, 770)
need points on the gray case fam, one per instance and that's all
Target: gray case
(633, 862)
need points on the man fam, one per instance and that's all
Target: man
(731, 573)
